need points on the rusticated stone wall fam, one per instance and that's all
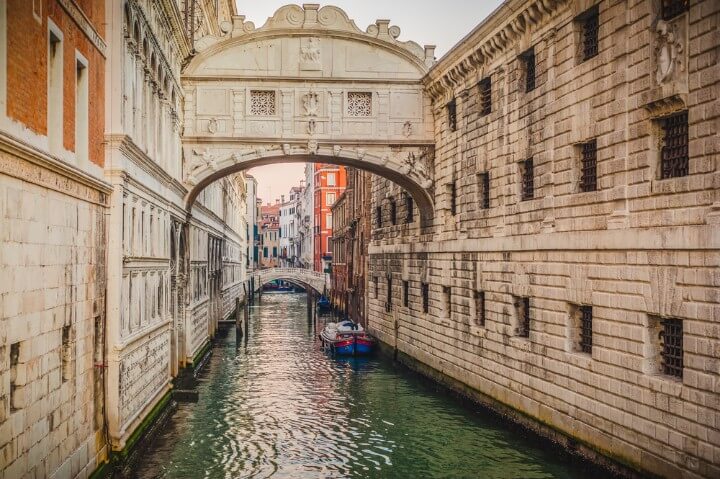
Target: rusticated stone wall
(639, 250)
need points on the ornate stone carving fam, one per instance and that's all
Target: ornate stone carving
(213, 125)
(310, 54)
(418, 167)
(311, 127)
(312, 147)
(407, 129)
(359, 103)
(311, 104)
(202, 158)
(668, 48)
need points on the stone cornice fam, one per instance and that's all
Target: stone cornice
(490, 38)
(126, 145)
(84, 24)
(29, 164)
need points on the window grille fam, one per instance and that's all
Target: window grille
(452, 114)
(590, 29)
(528, 180)
(588, 178)
(393, 212)
(452, 187)
(485, 190)
(447, 291)
(409, 208)
(262, 102)
(425, 297)
(485, 96)
(378, 216)
(523, 314)
(480, 307)
(675, 159)
(673, 8)
(529, 60)
(672, 347)
(406, 293)
(586, 329)
(359, 103)
(388, 300)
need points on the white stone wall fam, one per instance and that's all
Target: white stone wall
(638, 250)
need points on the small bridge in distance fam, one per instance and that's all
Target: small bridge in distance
(309, 279)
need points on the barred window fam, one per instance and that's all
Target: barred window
(674, 155)
(590, 26)
(480, 308)
(484, 184)
(262, 102)
(406, 293)
(393, 212)
(528, 59)
(588, 177)
(425, 297)
(388, 301)
(409, 206)
(522, 312)
(359, 103)
(485, 96)
(671, 339)
(452, 115)
(586, 316)
(673, 8)
(452, 190)
(447, 293)
(528, 179)
(378, 216)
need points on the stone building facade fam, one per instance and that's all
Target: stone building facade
(53, 206)
(571, 271)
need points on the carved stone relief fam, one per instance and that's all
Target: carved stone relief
(668, 52)
(310, 54)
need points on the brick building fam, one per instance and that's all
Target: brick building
(328, 183)
(571, 272)
(53, 205)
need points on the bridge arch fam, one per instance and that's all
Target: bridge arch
(308, 278)
(310, 86)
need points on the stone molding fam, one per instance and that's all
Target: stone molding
(24, 162)
(84, 24)
(491, 38)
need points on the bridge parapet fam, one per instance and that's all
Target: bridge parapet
(305, 277)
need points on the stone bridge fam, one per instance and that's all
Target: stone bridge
(303, 277)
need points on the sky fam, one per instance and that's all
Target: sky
(427, 22)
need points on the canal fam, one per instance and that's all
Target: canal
(275, 405)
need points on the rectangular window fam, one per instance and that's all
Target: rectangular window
(359, 103)
(447, 294)
(585, 316)
(409, 208)
(406, 293)
(452, 191)
(528, 59)
(484, 184)
(14, 361)
(485, 96)
(377, 282)
(331, 179)
(328, 220)
(378, 216)
(55, 92)
(452, 115)
(672, 347)
(425, 297)
(274, 251)
(673, 8)
(528, 180)
(522, 313)
(388, 299)
(590, 26)
(675, 159)
(66, 354)
(480, 308)
(262, 102)
(81, 112)
(330, 199)
(588, 177)
(393, 212)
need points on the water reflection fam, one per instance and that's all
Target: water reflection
(273, 404)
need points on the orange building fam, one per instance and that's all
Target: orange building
(329, 183)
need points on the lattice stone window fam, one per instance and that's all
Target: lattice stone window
(359, 103)
(262, 102)
(485, 96)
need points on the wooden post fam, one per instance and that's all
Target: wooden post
(238, 324)
(246, 315)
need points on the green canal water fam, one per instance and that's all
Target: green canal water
(275, 405)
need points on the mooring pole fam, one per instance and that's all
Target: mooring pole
(246, 315)
(238, 324)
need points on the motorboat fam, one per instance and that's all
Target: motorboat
(323, 305)
(347, 338)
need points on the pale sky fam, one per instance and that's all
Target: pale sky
(431, 22)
